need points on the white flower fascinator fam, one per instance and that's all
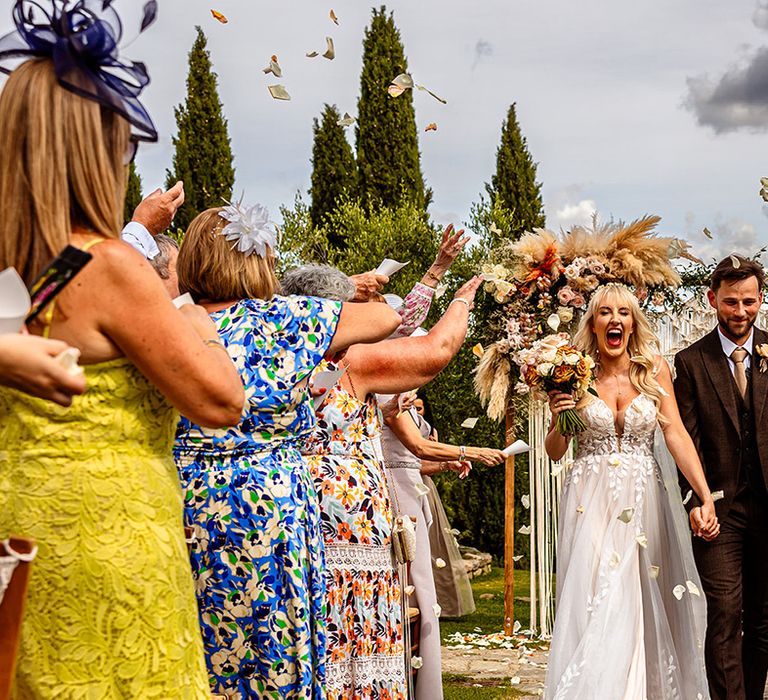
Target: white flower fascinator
(249, 227)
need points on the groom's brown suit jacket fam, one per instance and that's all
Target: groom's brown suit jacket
(709, 406)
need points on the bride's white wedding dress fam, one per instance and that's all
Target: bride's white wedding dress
(630, 608)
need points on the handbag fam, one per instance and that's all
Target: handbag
(404, 539)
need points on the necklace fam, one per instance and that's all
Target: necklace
(619, 392)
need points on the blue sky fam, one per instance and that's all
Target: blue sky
(610, 97)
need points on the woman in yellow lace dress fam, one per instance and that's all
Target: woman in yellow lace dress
(111, 607)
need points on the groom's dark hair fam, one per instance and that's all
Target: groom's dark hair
(726, 271)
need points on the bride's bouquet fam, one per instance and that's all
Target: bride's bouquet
(553, 364)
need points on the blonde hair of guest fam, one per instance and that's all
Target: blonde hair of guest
(642, 345)
(211, 268)
(62, 168)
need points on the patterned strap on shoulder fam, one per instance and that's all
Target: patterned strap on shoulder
(48, 315)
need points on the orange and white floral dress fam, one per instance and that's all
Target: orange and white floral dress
(364, 626)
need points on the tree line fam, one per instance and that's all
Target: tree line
(372, 202)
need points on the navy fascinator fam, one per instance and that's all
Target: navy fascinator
(82, 39)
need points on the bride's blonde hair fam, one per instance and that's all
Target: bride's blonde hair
(643, 345)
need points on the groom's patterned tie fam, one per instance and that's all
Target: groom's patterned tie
(740, 375)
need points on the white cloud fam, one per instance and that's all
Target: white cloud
(579, 213)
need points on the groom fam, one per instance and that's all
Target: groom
(721, 388)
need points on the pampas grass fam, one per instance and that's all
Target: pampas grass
(492, 380)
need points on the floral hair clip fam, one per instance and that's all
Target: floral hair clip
(81, 37)
(249, 227)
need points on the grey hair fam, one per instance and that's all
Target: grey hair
(322, 281)
(162, 260)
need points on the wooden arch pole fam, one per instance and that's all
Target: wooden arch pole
(509, 525)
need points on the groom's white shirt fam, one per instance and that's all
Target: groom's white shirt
(729, 346)
(136, 235)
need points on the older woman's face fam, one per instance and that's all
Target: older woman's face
(612, 325)
(418, 404)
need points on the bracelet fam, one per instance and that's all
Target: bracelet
(463, 301)
(462, 453)
(432, 275)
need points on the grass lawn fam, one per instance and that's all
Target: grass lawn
(489, 617)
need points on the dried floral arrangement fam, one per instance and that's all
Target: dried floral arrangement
(544, 281)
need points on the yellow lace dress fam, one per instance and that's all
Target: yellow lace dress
(111, 609)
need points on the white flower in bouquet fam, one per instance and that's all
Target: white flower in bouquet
(565, 313)
(574, 270)
(502, 290)
(494, 273)
(545, 369)
(596, 267)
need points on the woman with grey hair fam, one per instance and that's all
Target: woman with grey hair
(365, 616)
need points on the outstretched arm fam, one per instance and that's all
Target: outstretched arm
(684, 453)
(686, 403)
(406, 430)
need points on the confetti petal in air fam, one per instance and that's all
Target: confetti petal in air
(654, 571)
(615, 560)
(693, 589)
(219, 16)
(707, 233)
(687, 497)
(525, 530)
(516, 627)
(678, 591)
(330, 52)
(626, 515)
(410, 590)
(422, 490)
(437, 609)
(400, 84)
(526, 501)
(469, 423)
(278, 92)
(439, 99)
(440, 563)
(440, 290)
(312, 54)
(642, 540)
(735, 261)
(432, 126)
(416, 662)
(717, 495)
(274, 68)
(493, 228)
(334, 18)
(579, 509)
(478, 350)
(346, 120)
(517, 558)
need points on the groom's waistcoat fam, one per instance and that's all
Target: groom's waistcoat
(750, 473)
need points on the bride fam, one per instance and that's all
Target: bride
(630, 611)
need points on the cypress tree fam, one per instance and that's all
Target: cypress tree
(389, 170)
(334, 173)
(203, 154)
(132, 193)
(514, 188)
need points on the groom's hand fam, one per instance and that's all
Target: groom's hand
(704, 522)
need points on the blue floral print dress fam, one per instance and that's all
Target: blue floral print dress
(257, 556)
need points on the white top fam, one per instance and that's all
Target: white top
(729, 346)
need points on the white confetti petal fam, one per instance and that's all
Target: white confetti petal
(579, 509)
(526, 501)
(693, 589)
(330, 52)
(440, 563)
(440, 290)
(346, 120)
(517, 558)
(410, 590)
(437, 609)
(422, 489)
(626, 515)
(717, 495)
(416, 662)
(615, 560)
(278, 92)
(687, 497)
(642, 540)
(515, 680)
(678, 591)
(654, 571)
(469, 423)
(525, 530)
(516, 627)
(553, 322)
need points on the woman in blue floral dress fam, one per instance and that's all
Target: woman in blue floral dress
(257, 556)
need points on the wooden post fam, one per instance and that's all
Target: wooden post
(509, 526)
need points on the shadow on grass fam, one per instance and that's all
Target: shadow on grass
(458, 687)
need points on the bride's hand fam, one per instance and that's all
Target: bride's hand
(559, 402)
(704, 522)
